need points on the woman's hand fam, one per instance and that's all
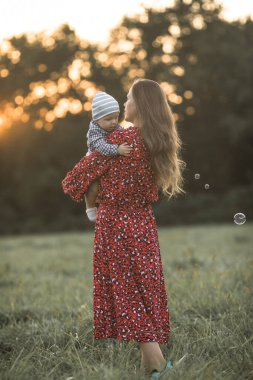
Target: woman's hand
(124, 149)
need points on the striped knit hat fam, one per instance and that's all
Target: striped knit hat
(103, 104)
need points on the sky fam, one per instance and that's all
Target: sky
(91, 19)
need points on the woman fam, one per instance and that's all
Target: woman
(130, 300)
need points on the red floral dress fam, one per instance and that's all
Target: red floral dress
(129, 295)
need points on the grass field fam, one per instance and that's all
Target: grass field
(47, 318)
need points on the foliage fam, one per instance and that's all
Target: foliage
(204, 64)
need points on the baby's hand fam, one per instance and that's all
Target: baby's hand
(124, 149)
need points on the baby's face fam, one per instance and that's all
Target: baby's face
(109, 122)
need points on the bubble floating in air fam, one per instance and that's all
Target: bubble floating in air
(239, 218)
(197, 176)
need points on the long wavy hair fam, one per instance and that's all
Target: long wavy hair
(157, 127)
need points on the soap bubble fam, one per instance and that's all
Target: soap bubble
(207, 186)
(197, 176)
(239, 218)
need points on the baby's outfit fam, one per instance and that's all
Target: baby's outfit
(96, 140)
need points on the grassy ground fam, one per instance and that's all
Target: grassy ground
(46, 307)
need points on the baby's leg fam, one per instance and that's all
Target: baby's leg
(91, 195)
(90, 200)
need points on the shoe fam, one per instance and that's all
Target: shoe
(156, 374)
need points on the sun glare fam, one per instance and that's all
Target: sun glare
(5, 123)
(1, 121)
(4, 73)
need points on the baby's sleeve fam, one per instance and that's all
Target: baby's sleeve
(87, 170)
(104, 147)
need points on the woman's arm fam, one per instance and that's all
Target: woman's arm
(89, 168)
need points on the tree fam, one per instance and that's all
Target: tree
(47, 84)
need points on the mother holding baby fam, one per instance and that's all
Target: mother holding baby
(129, 294)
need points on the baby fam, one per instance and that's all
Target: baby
(105, 113)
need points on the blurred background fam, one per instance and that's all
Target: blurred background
(55, 56)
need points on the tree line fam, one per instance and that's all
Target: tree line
(204, 64)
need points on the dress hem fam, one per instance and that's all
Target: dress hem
(139, 340)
